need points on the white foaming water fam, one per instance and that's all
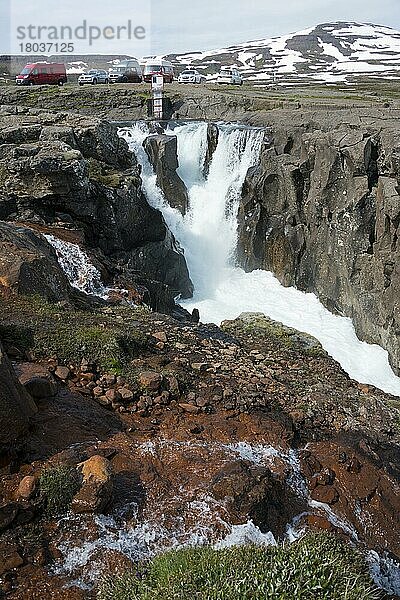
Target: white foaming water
(75, 263)
(208, 234)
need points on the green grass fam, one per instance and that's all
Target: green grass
(318, 567)
(58, 486)
(110, 340)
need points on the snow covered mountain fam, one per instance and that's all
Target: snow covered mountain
(331, 52)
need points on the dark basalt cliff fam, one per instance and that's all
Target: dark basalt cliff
(322, 211)
(68, 170)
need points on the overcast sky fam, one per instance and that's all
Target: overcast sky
(184, 25)
(181, 26)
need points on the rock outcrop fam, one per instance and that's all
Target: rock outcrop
(29, 265)
(162, 151)
(322, 211)
(16, 405)
(212, 143)
(66, 169)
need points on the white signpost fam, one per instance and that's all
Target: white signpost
(157, 93)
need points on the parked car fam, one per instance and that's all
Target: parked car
(158, 67)
(93, 76)
(230, 75)
(42, 74)
(128, 71)
(190, 76)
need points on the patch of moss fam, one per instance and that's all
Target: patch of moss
(318, 567)
(260, 327)
(106, 176)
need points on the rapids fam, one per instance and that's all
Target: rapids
(208, 235)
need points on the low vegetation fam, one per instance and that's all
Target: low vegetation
(58, 486)
(318, 567)
(108, 339)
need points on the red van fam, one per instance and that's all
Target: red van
(42, 74)
(158, 67)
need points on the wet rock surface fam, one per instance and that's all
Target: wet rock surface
(210, 429)
(162, 151)
(29, 265)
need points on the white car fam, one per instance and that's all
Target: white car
(230, 75)
(93, 76)
(190, 76)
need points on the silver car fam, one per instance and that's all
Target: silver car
(230, 75)
(93, 76)
(190, 76)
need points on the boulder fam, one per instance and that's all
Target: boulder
(162, 151)
(253, 492)
(10, 557)
(97, 487)
(16, 405)
(29, 265)
(41, 387)
(150, 380)
(27, 487)
(212, 143)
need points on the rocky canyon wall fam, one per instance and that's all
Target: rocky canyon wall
(322, 211)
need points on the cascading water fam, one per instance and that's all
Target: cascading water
(208, 235)
(81, 273)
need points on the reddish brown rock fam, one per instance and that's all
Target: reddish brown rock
(9, 557)
(325, 493)
(150, 380)
(62, 372)
(161, 336)
(27, 487)
(96, 490)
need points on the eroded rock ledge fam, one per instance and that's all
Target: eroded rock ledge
(58, 169)
(322, 211)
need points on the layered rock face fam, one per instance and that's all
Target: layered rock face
(16, 405)
(66, 169)
(322, 211)
(162, 151)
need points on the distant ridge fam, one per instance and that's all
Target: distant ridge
(330, 52)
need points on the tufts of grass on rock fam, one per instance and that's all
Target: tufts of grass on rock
(58, 486)
(318, 567)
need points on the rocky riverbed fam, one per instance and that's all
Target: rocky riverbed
(159, 430)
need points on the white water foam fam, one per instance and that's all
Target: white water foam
(385, 572)
(75, 263)
(208, 234)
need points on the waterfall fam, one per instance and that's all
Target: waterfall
(75, 263)
(208, 236)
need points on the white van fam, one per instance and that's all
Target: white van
(230, 75)
(158, 66)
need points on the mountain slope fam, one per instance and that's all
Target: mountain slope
(331, 52)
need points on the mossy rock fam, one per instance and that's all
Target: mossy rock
(109, 339)
(262, 327)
